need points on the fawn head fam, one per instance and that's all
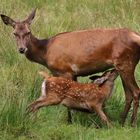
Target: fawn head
(108, 75)
(21, 30)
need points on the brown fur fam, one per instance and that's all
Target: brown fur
(85, 52)
(83, 97)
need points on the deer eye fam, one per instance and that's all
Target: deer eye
(27, 33)
(16, 34)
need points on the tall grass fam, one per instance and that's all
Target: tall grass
(20, 84)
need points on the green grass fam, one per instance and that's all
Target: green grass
(20, 84)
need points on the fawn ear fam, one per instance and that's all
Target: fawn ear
(7, 20)
(30, 17)
(99, 80)
(44, 74)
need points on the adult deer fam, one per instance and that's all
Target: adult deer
(85, 52)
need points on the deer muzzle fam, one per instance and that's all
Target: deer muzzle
(22, 50)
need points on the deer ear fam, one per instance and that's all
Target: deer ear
(31, 17)
(8, 21)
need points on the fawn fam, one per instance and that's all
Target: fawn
(84, 97)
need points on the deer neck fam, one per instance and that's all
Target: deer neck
(36, 50)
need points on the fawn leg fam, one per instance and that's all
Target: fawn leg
(69, 119)
(99, 111)
(34, 106)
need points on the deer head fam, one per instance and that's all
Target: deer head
(21, 30)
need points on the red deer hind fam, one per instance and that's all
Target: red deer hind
(85, 52)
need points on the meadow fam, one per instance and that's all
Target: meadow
(20, 83)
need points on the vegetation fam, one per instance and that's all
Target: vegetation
(20, 84)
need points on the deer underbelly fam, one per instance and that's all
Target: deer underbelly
(82, 106)
(90, 68)
(81, 67)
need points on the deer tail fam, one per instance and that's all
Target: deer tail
(44, 74)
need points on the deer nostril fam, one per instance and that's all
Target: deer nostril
(21, 50)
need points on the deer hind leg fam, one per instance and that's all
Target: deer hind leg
(69, 112)
(128, 101)
(34, 106)
(69, 119)
(136, 95)
(132, 92)
(67, 76)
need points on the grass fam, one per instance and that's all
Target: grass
(20, 84)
